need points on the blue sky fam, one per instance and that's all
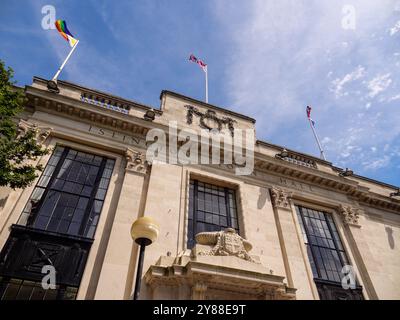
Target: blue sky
(267, 59)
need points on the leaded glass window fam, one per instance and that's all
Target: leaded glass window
(324, 247)
(211, 208)
(19, 289)
(69, 195)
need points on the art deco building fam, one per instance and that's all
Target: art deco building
(285, 231)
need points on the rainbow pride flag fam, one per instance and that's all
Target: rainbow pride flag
(61, 26)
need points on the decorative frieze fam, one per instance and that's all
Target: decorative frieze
(135, 161)
(350, 215)
(280, 198)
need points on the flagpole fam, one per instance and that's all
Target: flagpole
(65, 61)
(206, 84)
(316, 138)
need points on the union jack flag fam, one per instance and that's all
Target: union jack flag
(199, 62)
(308, 110)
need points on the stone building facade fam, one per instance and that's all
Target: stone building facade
(297, 227)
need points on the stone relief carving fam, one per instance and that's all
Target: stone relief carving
(41, 133)
(135, 161)
(209, 117)
(225, 243)
(280, 198)
(349, 215)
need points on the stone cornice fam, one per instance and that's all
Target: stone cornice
(324, 180)
(86, 91)
(52, 103)
(58, 104)
(299, 154)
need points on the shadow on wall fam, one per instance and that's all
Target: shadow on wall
(262, 198)
(389, 232)
(3, 201)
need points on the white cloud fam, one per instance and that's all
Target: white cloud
(326, 140)
(377, 164)
(394, 98)
(378, 84)
(338, 84)
(287, 54)
(395, 29)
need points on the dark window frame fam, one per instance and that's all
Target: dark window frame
(32, 215)
(61, 292)
(327, 288)
(231, 215)
(315, 248)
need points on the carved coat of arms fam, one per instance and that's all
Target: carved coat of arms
(209, 120)
(225, 243)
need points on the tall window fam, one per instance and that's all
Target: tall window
(70, 193)
(326, 255)
(324, 247)
(211, 208)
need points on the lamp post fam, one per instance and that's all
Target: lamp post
(144, 231)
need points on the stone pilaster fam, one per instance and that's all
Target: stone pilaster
(358, 241)
(293, 257)
(114, 281)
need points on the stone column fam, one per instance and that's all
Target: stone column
(115, 273)
(293, 257)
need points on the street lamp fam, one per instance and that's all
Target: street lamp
(144, 232)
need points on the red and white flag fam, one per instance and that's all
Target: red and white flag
(312, 125)
(308, 110)
(199, 62)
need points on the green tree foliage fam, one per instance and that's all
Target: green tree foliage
(15, 149)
